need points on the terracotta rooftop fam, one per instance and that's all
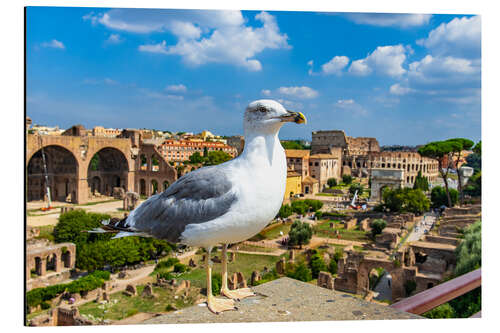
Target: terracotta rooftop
(297, 153)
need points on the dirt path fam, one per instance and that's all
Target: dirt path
(51, 217)
(276, 253)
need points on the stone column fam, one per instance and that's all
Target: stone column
(43, 267)
(58, 260)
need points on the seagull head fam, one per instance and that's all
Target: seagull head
(266, 116)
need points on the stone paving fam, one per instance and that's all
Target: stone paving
(286, 299)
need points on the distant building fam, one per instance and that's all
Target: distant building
(314, 169)
(323, 167)
(293, 184)
(181, 150)
(47, 130)
(360, 155)
(106, 132)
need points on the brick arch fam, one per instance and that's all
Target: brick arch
(63, 169)
(113, 170)
(83, 148)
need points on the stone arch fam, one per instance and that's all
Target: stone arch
(155, 163)
(142, 186)
(166, 184)
(143, 162)
(95, 186)
(51, 262)
(111, 166)
(66, 259)
(62, 172)
(39, 269)
(154, 187)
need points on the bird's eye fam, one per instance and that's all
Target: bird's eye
(262, 109)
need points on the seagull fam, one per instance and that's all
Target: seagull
(223, 204)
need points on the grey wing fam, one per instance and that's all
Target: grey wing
(199, 196)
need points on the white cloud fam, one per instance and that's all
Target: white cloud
(360, 67)
(154, 48)
(291, 104)
(176, 88)
(299, 92)
(350, 105)
(459, 37)
(160, 96)
(447, 70)
(384, 60)
(335, 65)
(266, 92)
(114, 39)
(208, 36)
(344, 102)
(398, 89)
(55, 44)
(388, 20)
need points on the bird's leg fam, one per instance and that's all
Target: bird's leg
(236, 294)
(216, 305)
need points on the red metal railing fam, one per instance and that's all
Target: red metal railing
(442, 293)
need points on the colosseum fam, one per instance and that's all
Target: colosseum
(361, 155)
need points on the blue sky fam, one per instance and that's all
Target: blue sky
(404, 79)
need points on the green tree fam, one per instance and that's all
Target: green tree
(462, 144)
(317, 265)
(468, 252)
(196, 158)
(443, 311)
(474, 161)
(377, 226)
(299, 272)
(71, 224)
(294, 144)
(439, 198)
(299, 207)
(347, 179)
(94, 162)
(421, 182)
(356, 187)
(331, 182)
(405, 200)
(441, 151)
(217, 157)
(300, 234)
(285, 211)
(473, 187)
(332, 267)
(313, 204)
(477, 148)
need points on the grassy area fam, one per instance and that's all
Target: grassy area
(272, 231)
(329, 195)
(122, 306)
(245, 263)
(46, 232)
(324, 230)
(246, 247)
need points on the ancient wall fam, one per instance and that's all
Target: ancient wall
(150, 178)
(323, 141)
(382, 178)
(43, 258)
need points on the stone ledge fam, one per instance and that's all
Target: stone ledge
(286, 299)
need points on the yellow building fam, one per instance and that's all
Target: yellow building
(293, 184)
